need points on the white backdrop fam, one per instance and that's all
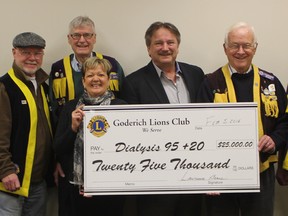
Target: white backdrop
(121, 25)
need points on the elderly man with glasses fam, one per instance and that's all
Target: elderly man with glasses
(66, 84)
(25, 134)
(242, 81)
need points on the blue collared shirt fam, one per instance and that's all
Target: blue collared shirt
(76, 65)
(176, 92)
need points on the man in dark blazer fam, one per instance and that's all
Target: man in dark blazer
(144, 85)
(164, 80)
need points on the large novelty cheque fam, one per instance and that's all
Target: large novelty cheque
(183, 148)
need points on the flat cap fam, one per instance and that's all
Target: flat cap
(28, 39)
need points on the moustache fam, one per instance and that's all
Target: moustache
(165, 53)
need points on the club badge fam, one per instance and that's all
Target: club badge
(98, 125)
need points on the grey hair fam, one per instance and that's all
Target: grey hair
(81, 21)
(240, 25)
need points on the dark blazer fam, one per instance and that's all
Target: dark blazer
(144, 85)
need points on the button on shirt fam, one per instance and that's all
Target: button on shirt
(77, 76)
(76, 65)
(176, 92)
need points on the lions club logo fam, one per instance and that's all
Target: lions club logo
(98, 125)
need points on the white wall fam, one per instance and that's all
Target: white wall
(121, 25)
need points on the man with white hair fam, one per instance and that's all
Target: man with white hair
(242, 81)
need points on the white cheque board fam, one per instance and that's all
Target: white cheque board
(183, 148)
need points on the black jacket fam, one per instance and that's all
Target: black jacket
(64, 137)
(144, 85)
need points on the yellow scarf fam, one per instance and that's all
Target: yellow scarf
(230, 96)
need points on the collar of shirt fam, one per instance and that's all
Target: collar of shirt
(76, 65)
(159, 71)
(33, 80)
(232, 70)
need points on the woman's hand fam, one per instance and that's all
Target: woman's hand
(77, 118)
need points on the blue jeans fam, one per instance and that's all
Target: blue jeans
(10, 205)
(33, 205)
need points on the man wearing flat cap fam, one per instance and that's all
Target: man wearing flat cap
(25, 130)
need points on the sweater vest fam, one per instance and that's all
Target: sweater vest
(225, 93)
(24, 126)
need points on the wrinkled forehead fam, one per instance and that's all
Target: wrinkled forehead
(83, 28)
(242, 35)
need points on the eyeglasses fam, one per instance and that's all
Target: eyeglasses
(28, 54)
(245, 47)
(77, 36)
